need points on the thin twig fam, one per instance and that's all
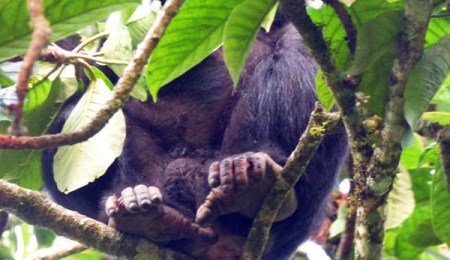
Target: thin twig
(347, 23)
(40, 37)
(345, 246)
(54, 253)
(320, 123)
(120, 93)
(89, 40)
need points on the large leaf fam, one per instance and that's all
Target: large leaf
(77, 165)
(141, 20)
(410, 156)
(375, 53)
(421, 180)
(376, 39)
(5, 81)
(437, 28)
(400, 202)
(119, 47)
(324, 93)
(65, 17)
(24, 167)
(240, 32)
(405, 248)
(361, 13)
(442, 118)
(194, 33)
(425, 79)
(442, 96)
(440, 205)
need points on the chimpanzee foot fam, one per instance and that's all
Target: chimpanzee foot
(140, 211)
(240, 184)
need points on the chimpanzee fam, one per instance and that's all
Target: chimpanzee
(196, 164)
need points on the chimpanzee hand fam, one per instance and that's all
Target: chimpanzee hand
(140, 211)
(240, 184)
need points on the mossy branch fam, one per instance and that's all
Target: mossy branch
(320, 124)
(35, 209)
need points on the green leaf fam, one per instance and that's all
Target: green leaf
(77, 165)
(86, 255)
(141, 20)
(410, 156)
(424, 236)
(65, 17)
(443, 118)
(437, 28)
(440, 205)
(376, 39)
(400, 202)
(270, 17)
(44, 237)
(37, 95)
(425, 79)
(5, 81)
(240, 32)
(24, 166)
(405, 249)
(421, 179)
(442, 96)
(118, 46)
(338, 225)
(194, 33)
(324, 93)
(100, 75)
(361, 13)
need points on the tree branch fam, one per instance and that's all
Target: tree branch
(344, 90)
(120, 93)
(36, 209)
(345, 246)
(347, 23)
(59, 252)
(40, 37)
(382, 168)
(320, 124)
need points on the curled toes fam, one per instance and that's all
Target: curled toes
(129, 200)
(227, 175)
(133, 200)
(155, 195)
(142, 196)
(241, 166)
(111, 206)
(214, 175)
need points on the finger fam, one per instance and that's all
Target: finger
(241, 166)
(213, 175)
(226, 175)
(155, 195)
(111, 207)
(205, 234)
(129, 200)
(258, 166)
(207, 212)
(143, 197)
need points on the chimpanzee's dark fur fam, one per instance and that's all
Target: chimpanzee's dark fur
(198, 119)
